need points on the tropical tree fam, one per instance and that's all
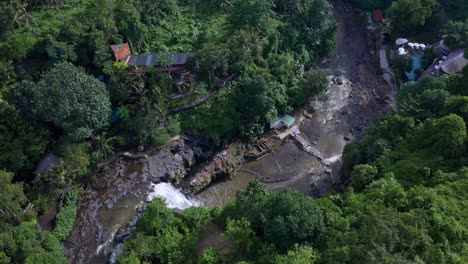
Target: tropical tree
(22, 16)
(410, 15)
(68, 97)
(383, 30)
(21, 144)
(210, 58)
(457, 33)
(12, 197)
(103, 147)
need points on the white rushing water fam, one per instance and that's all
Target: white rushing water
(333, 158)
(174, 197)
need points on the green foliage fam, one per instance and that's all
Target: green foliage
(300, 255)
(410, 15)
(209, 256)
(75, 157)
(52, 252)
(240, 233)
(162, 236)
(74, 101)
(123, 113)
(215, 119)
(292, 218)
(66, 216)
(457, 34)
(404, 64)
(250, 13)
(253, 101)
(21, 143)
(173, 126)
(12, 197)
(315, 81)
(363, 175)
(428, 58)
(457, 9)
(25, 243)
(450, 135)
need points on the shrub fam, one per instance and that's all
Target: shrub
(66, 217)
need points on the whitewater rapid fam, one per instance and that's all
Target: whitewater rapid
(174, 197)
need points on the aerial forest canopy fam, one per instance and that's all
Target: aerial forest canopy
(406, 202)
(67, 106)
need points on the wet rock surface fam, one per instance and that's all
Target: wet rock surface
(221, 166)
(109, 209)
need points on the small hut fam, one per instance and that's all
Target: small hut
(285, 121)
(454, 62)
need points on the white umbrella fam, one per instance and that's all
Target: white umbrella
(437, 67)
(444, 57)
(416, 45)
(423, 46)
(401, 41)
(411, 44)
(440, 62)
(401, 50)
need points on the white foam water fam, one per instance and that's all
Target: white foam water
(174, 197)
(333, 158)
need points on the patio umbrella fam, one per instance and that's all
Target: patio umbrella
(401, 41)
(423, 46)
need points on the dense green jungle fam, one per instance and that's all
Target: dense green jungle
(62, 91)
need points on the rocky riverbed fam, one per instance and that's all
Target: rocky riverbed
(108, 209)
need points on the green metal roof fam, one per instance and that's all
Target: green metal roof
(284, 120)
(287, 120)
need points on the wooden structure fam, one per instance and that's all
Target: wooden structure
(121, 51)
(167, 61)
(454, 63)
(164, 61)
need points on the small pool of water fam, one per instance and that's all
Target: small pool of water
(416, 57)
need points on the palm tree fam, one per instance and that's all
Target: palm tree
(103, 147)
(224, 4)
(136, 80)
(22, 16)
(382, 31)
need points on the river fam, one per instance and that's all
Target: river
(354, 100)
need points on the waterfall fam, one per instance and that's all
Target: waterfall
(333, 158)
(174, 197)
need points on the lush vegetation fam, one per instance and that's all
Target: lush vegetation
(406, 202)
(62, 93)
(421, 19)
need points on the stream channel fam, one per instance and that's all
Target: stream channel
(354, 100)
